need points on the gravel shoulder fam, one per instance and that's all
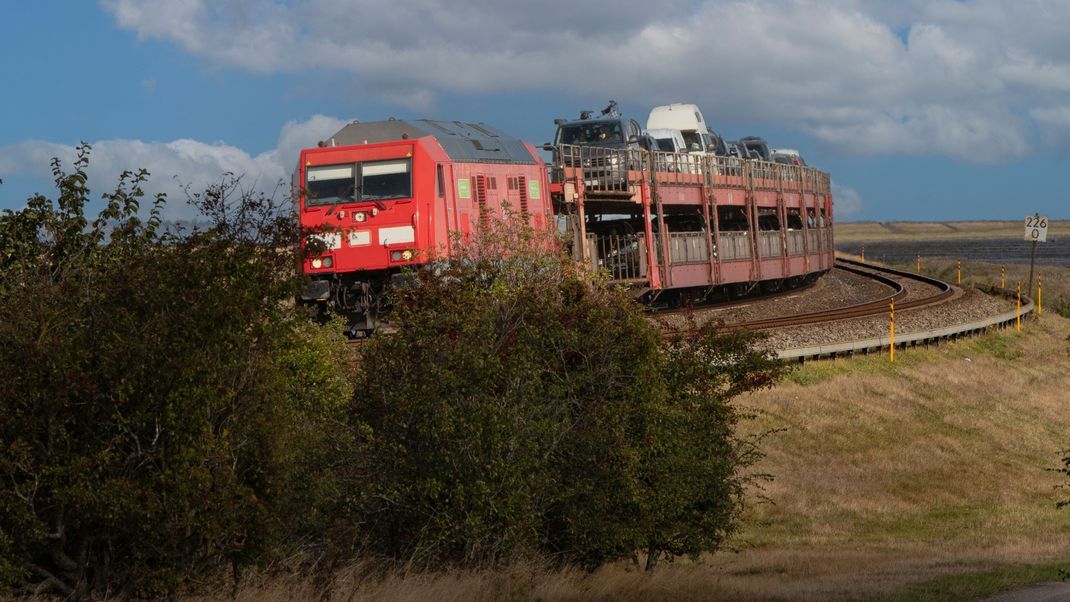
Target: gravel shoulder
(835, 289)
(839, 289)
(967, 306)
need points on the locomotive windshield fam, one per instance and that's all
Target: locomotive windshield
(384, 180)
(598, 132)
(379, 181)
(329, 184)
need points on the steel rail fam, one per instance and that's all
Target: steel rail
(1005, 320)
(874, 307)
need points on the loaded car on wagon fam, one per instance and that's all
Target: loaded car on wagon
(608, 145)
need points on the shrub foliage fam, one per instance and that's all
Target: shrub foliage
(163, 412)
(524, 406)
(169, 417)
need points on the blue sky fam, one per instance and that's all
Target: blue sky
(919, 110)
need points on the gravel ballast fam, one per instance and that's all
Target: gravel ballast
(840, 288)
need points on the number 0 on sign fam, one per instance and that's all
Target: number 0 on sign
(1036, 228)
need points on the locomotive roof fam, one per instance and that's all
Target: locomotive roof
(463, 142)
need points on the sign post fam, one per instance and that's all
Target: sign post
(1036, 230)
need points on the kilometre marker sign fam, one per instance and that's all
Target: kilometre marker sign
(1036, 228)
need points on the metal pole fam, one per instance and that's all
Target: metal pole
(863, 252)
(958, 266)
(1032, 260)
(919, 263)
(1018, 323)
(1002, 277)
(891, 333)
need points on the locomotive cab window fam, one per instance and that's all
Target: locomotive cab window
(379, 181)
(329, 184)
(386, 180)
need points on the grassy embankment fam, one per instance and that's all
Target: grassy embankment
(874, 231)
(923, 480)
(897, 481)
(1056, 281)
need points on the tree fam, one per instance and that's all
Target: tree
(166, 413)
(526, 406)
(694, 473)
(494, 353)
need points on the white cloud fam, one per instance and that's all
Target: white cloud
(954, 77)
(848, 203)
(1053, 122)
(175, 164)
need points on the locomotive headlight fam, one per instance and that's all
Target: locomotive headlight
(317, 263)
(395, 255)
(406, 254)
(327, 262)
(360, 216)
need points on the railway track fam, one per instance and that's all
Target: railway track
(908, 290)
(904, 293)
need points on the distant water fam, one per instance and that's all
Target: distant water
(993, 250)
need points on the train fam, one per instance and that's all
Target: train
(388, 196)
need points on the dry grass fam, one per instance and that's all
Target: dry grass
(522, 581)
(922, 480)
(889, 475)
(874, 231)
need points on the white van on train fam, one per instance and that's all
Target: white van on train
(676, 158)
(669, 140)
(687, 118)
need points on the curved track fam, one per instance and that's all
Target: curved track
(908, 290)
(930, 291)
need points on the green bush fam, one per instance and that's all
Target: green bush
(524, 406)
(1062, 308)
(166, 414)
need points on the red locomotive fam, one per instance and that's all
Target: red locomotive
(386, 195)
